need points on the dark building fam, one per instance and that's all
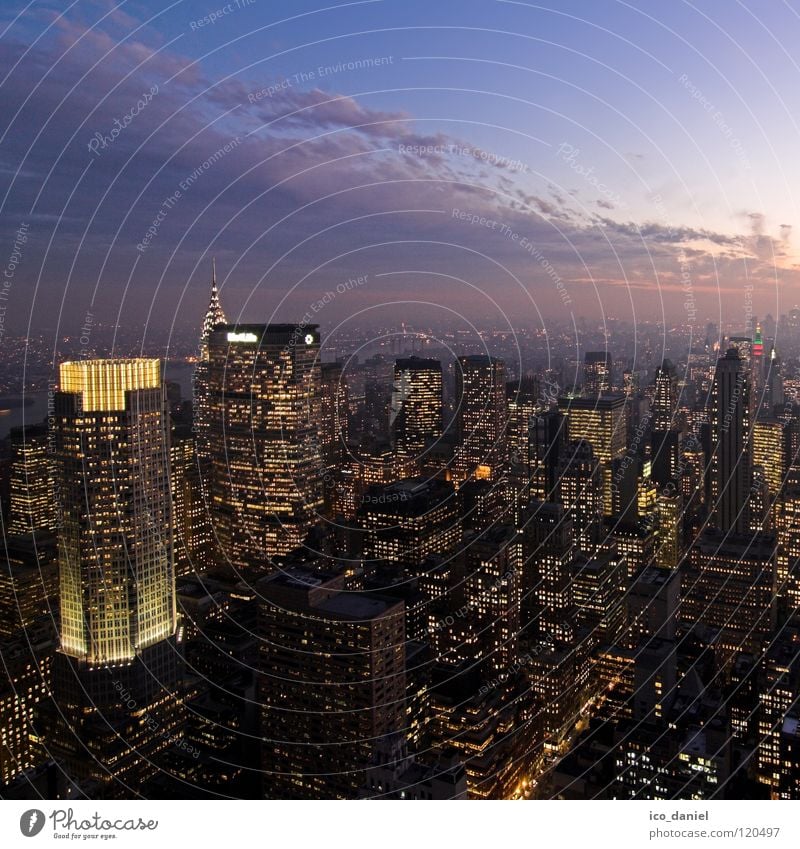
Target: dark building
(332, 672)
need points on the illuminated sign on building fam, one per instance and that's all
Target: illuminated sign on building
(242, 337)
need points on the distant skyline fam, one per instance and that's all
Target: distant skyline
(491, 160)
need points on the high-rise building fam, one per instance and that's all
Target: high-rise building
(31, 502)
(415, 417)
(548, 433)
(493, 582)
(729, 466)
(580, 489)
(664, 397)
(599, 420)
(767, 452)
(406, 521)
(332, 683)
(481, 417)
(117, 581)
(333, 429)
(773, 384)
(728, 586)
(214, 317)
(547, 601)
(597, 367)
(261, 432)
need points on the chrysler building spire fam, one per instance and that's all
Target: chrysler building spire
(215, 315)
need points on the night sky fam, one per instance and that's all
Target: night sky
(494, 159)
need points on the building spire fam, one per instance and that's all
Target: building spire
(215, 315)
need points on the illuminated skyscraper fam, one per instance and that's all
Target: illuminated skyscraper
(601, 422)
(768, 440)
(214, 317)
(333, 414)
(262, 435)
(332, 683)
(729, 466)
(597, 372)
(580, 490)
(415, 417)
(665, 397)
(31, 503)
(117, 582)
(482, 417)
(548, 604)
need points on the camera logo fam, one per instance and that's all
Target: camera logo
(31, 822)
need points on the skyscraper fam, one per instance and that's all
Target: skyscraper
(597, 367)
(600, 421)
(482, 417)
(214, 317)
(415, 417)
(31, 504)
(117, 582)
(729, 466)
(327, 701)
(333, 414)
(262, 436)
(664, 397)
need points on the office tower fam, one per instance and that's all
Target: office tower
(190, 509)
(331, 683)
(778, 683)
(757, 365)
(664, 397)
(547, 602)
(406, 521)
(415, 418)
(787, 528)
(767, 452)
(548, 433)
(729, 465)
(24, 686)
(481, 417)
(773, 384)
(669, 514)
(652, 606)
(28, 583)
(579, 488)
(263, 406)
(214, 317)
(635, 540)
(597, 367)
(493, 580)
(333, 428)
(598, 586)
(601, 422)
(117, 582)
(31, 502)
(665, 456)
(523, 403)
(727, 585)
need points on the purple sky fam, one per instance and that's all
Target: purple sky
(496, 160)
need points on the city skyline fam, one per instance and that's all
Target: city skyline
(399, 401)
